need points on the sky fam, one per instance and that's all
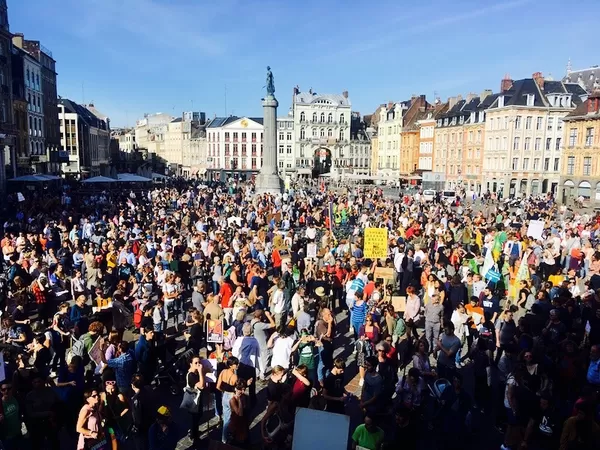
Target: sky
(131, 57)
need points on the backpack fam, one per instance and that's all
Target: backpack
(138, 315)
(78, 348)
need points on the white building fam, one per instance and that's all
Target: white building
(86, 139)
(103, 133)
(286, 156)
(150, 132)
(235, 144)
(523, 135)
(388, 133)
(322, 132)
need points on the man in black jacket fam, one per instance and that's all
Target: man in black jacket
(143, 405)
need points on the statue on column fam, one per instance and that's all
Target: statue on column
(270, 82)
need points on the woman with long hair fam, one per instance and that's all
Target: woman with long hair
(114, 408)
(89, 422)
(195, 380)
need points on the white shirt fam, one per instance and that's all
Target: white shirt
(282, 350)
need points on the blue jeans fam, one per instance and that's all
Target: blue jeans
(325, 361)
(226, 414)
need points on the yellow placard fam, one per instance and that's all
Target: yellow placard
(376, 243)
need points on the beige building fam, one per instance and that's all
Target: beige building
(150, 132)
(523, 135)
(580, 166)
(374, 153)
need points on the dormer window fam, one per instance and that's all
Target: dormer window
(461, 120)
(501, 101)
(481, 116)
(446, 122)
(439, 122)
(454, 121)
(530, 99)
(472, 119)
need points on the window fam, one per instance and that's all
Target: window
(546, 164)
(330, 118)
(589, 137)
(528, 122)
(322, 117)
(527, 143)
(572, 137)
(322, 132)
(525, 163)
(302, 117)
(548, 143)
(504, 143)
(516, 144)
(253, 137)
(539, 123)
(314, 132)
(570, 165)
(281, 135)
(550, 123)
(538, 144)
(530, 99)
(559, 124)
(515, 163)
(329, 132)
(281, 125)
(314, 117)
(518, 122)
(556, 164)
(478, 136)
(281, 149)
(587, 166)
(506, 122)
(558, 143)
(470, 136)
(288, 149)
(226, 136)
(342, 119)
(253, 149)
(536, 164)
(235, 136)
(302, 133)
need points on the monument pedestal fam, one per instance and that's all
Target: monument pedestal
(268, 181)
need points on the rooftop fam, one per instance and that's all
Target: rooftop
(309, 98)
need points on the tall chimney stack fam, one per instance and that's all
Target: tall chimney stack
(345, 94)
(539, 79)
(506, 83)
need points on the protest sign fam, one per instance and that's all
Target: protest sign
(535, 229)
(375, 243)
(214, 331)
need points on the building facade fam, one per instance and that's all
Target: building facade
(150, 132)
(20, 108)
(580, 164)
(588, 79)
(286, 156)
(374, 152)
(389, 128)
(473, 141)
(83, 137)
(49, 100)
(409, 136)
(523, 135)
(235, 145)
(426, 126)
(7, 127)
(322, 132)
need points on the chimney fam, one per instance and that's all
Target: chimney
(345, 94)
(390, 105)
(539, 79)
(451, 102)
(422, 99)
(18, 39)
(470, 97)
(485, 94)
(506, 83)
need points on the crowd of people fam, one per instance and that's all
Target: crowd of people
(121, 308)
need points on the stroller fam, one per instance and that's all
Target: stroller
(172, 371)
(437, 388)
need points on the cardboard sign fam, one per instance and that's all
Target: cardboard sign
(214, 331)
(96, 351)
(375, 243)
(535, 229)
(386, 274)
(399, 303)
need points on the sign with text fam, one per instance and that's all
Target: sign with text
(376, 243)
(214, 331)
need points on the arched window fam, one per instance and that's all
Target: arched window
(322, 117)
(341, 135)
(314, 117)
(330, 118)
(322, 132)
(342, 118)
(314, 132)
(329, 132)
(302, 132)
(302, 117)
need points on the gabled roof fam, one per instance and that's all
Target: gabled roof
(520, 90)
(588, 79)
(581, 112)
(84, 113)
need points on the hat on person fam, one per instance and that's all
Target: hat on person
(320, 292)
(164, 411)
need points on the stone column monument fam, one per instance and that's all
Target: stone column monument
(268, 180)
